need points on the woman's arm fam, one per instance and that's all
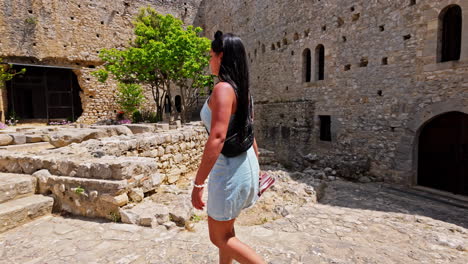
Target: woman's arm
(256, 148)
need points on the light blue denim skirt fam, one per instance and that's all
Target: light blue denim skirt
(233, 185)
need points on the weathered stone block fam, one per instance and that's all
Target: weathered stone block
(66, 137)
(182, 211)
(16, 212)
(173, 175)
(150, 182)
(136, 194)
(115, 130)
(129, 217)
(33, 138)
(15, 185)
(119, 200)
(18, 139)
(162, 126)
(5, 140)
(140, 128)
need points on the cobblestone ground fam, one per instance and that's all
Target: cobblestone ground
(353, 223)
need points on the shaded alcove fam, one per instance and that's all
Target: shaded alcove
(307, 65)
(44, 93)
(320, 63)
(443, 153)
(450, 33)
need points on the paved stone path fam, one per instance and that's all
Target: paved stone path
(354, 223)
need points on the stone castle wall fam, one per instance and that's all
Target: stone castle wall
(382, 80)
(71, 32)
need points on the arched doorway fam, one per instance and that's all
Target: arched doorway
(443, 153)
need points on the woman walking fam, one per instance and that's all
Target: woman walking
(234, 181)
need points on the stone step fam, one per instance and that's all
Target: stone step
(106, 168)
(17, 212)
(13, 186)
(93, 197)
(28, 147)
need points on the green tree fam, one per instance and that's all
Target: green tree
(163, 53)
(130, 97)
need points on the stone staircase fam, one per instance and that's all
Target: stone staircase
(96, 177)
(18, 201)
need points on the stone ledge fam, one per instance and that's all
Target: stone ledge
(66, 137)
(48, 182)
(17, 212)
(141, 128)
(13, 186)
(116, 168)
(94, 197)
(27, 146)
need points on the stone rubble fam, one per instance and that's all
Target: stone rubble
(171, 203)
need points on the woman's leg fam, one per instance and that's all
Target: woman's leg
(224, 257)
(222, 235)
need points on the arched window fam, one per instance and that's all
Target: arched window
(450, 30)
(178, 103)
(167, 105)
(307, 65)
(319, 62)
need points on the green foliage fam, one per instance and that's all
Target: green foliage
(145, 116)
(79, 190)
(195, 218)
(130, 97)
(7, 74)
(101, 75)
(162, 53)
(31, 20)
(137, 117)
(203, 82)
(150, 117)
(114, 217)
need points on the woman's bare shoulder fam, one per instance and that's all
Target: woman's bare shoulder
(223, 89)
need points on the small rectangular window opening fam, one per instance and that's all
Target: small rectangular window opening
(325, 128)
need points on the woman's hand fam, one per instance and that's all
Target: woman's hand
(197, 194)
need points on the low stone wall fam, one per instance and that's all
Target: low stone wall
(98, 176)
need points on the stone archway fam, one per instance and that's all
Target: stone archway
(443, 153)
(405, 164)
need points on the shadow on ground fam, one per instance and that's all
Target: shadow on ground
(387, 198)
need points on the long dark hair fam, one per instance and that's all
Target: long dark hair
(235, 71)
